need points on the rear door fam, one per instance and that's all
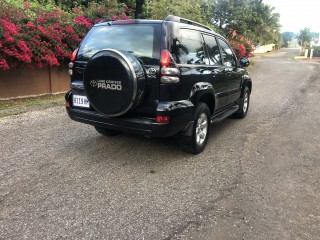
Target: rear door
(230, 64)
(188, 52)
(216, 75)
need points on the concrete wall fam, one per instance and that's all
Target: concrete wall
(28, 82)
(264, 48)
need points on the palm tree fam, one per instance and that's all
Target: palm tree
(268, 30)
(304, 37)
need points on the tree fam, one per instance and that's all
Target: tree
(190, 9)
(207, 7)
(286, 38)
(249, 18)
(137, 8)
(304, 37)
(268, 30)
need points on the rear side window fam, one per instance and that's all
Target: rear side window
(213, 50)
(188, 48)
(227, 54)
(143, 41)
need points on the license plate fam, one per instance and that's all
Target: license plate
(80, 101)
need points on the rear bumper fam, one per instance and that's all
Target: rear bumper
(180, 112)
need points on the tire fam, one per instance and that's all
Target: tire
(200, 132)
(107, 132)
(114, 82)
(244, 105)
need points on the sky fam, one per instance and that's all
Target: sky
(296, 14)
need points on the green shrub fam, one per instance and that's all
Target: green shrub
(316, 51)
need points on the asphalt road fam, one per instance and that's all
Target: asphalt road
(258, 178)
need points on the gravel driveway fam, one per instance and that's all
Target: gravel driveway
(258, 178)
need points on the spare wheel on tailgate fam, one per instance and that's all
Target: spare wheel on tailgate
(114, 82)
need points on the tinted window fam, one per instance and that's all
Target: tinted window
(213, 50)
(188, 48)
(140, 40)
(227, 55)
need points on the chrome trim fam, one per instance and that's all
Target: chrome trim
(169, 71)
(77, 85)
(169, 79)
(71, 64)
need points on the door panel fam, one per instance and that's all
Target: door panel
(189, 55)
(216, 74)
(231, 69)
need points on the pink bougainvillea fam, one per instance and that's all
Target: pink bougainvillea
(238, 48)
(81, 20)
(242, 47)
(9, 27)
(40, 38)
(4, 65)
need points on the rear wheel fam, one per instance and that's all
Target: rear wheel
(107, 132)
(200, 134)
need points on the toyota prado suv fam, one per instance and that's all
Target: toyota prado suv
(157, 78)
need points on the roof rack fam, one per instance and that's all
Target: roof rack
(106, 20)
(173, 18)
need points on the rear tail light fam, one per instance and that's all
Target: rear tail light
(169, 70)
(71, 64)
(170, 79)
(162, 119)
(74, 54)
(67, 104)
(165, 58)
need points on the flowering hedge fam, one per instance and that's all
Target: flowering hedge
(37, 38)
(241, 46)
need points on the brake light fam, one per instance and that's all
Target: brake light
(74, 54)
(169, 70)
(67, 104)
(71, 64)
(162, 119)
(165, 58)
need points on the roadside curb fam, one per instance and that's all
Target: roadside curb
(308, 60)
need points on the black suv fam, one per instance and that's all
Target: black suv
(157, 78)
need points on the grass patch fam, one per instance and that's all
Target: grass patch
(31, 101)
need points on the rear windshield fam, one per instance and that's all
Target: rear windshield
(141, 40)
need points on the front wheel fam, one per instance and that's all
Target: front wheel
(244, 104)
(200, 133)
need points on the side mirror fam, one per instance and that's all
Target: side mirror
(244, 62)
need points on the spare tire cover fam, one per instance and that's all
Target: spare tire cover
(114, 82)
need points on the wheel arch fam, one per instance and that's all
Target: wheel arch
(203, 92)
(246, 82)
